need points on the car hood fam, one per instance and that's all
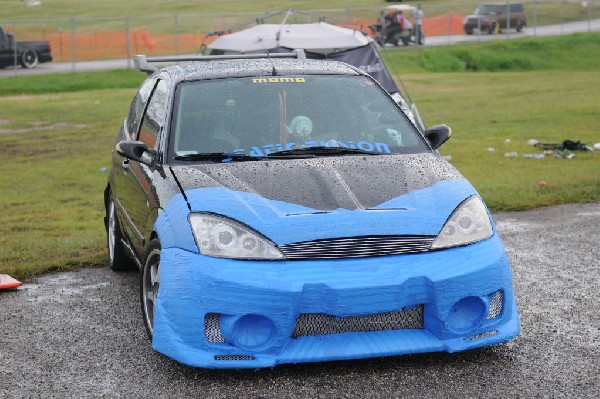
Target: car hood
(307, 199)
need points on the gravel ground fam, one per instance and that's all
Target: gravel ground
(80, 334)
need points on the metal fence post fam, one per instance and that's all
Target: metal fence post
(535, 11)
(562, 17)
(589, 13)
(508, 26)
(176, 31)
(449, 23)
(14, 44)
(73, 45)
(128, 41)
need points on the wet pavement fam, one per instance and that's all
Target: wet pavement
(80, 334)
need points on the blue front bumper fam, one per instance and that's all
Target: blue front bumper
(258, 303)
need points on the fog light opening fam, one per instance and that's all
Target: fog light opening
(466, 315)
(252, 331)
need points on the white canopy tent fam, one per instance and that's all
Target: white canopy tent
(319, 37)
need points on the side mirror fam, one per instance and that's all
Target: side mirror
(438, 135)
(136, 151)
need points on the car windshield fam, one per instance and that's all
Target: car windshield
(485, 10)
(286, 116)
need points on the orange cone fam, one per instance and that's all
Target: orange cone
(7, 282)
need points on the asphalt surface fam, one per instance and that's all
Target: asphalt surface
(80, 334)
(592, 25)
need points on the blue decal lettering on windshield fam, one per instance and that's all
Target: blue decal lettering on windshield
(365, 145)
(381, 148)
(256, 152)
(267, 148)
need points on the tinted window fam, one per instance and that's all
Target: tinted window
(155, 115)
(516, 8)
(258, 116)
(137, 107)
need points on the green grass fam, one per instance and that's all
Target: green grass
(562, 53)
(51, 181)
(62, 83)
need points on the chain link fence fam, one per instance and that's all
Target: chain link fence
(79, 39)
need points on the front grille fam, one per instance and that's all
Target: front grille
(212, 331)
(234, 357)
(309, 324)
(357, 247)
(496, 305)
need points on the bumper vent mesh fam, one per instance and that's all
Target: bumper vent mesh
(212, 331)
(310, 324)
(496, 305)
(357, 247)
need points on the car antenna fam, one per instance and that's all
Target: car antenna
(261, 42)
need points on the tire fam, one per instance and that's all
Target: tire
(469, 31)
(492, 28)
(29, 58)
(117, 258)
(520, 26)
(149, 285)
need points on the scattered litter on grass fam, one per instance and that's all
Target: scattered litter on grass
(536, 156)
(507, 141)
(511, 154)
(533, 142)
(542, 183)
(102, 170)
(491, 149)
(597, 146)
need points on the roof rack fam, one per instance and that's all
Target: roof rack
(142, 63)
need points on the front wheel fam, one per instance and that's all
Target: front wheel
(29, 59)
(149, 285)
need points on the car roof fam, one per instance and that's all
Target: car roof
(193, 71)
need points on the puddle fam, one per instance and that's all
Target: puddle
(514, 226)
(59, 288)
(42, 127)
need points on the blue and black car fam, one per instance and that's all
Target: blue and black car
(286, 210)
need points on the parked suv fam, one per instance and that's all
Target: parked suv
(488, 16)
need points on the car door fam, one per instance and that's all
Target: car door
(135, 191)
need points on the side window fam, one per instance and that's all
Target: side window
(137, 107)
(154, 117)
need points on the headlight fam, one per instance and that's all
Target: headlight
(469, 223)
(225, 238)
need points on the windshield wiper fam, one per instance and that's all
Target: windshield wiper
(217, 156)
(321, 150)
